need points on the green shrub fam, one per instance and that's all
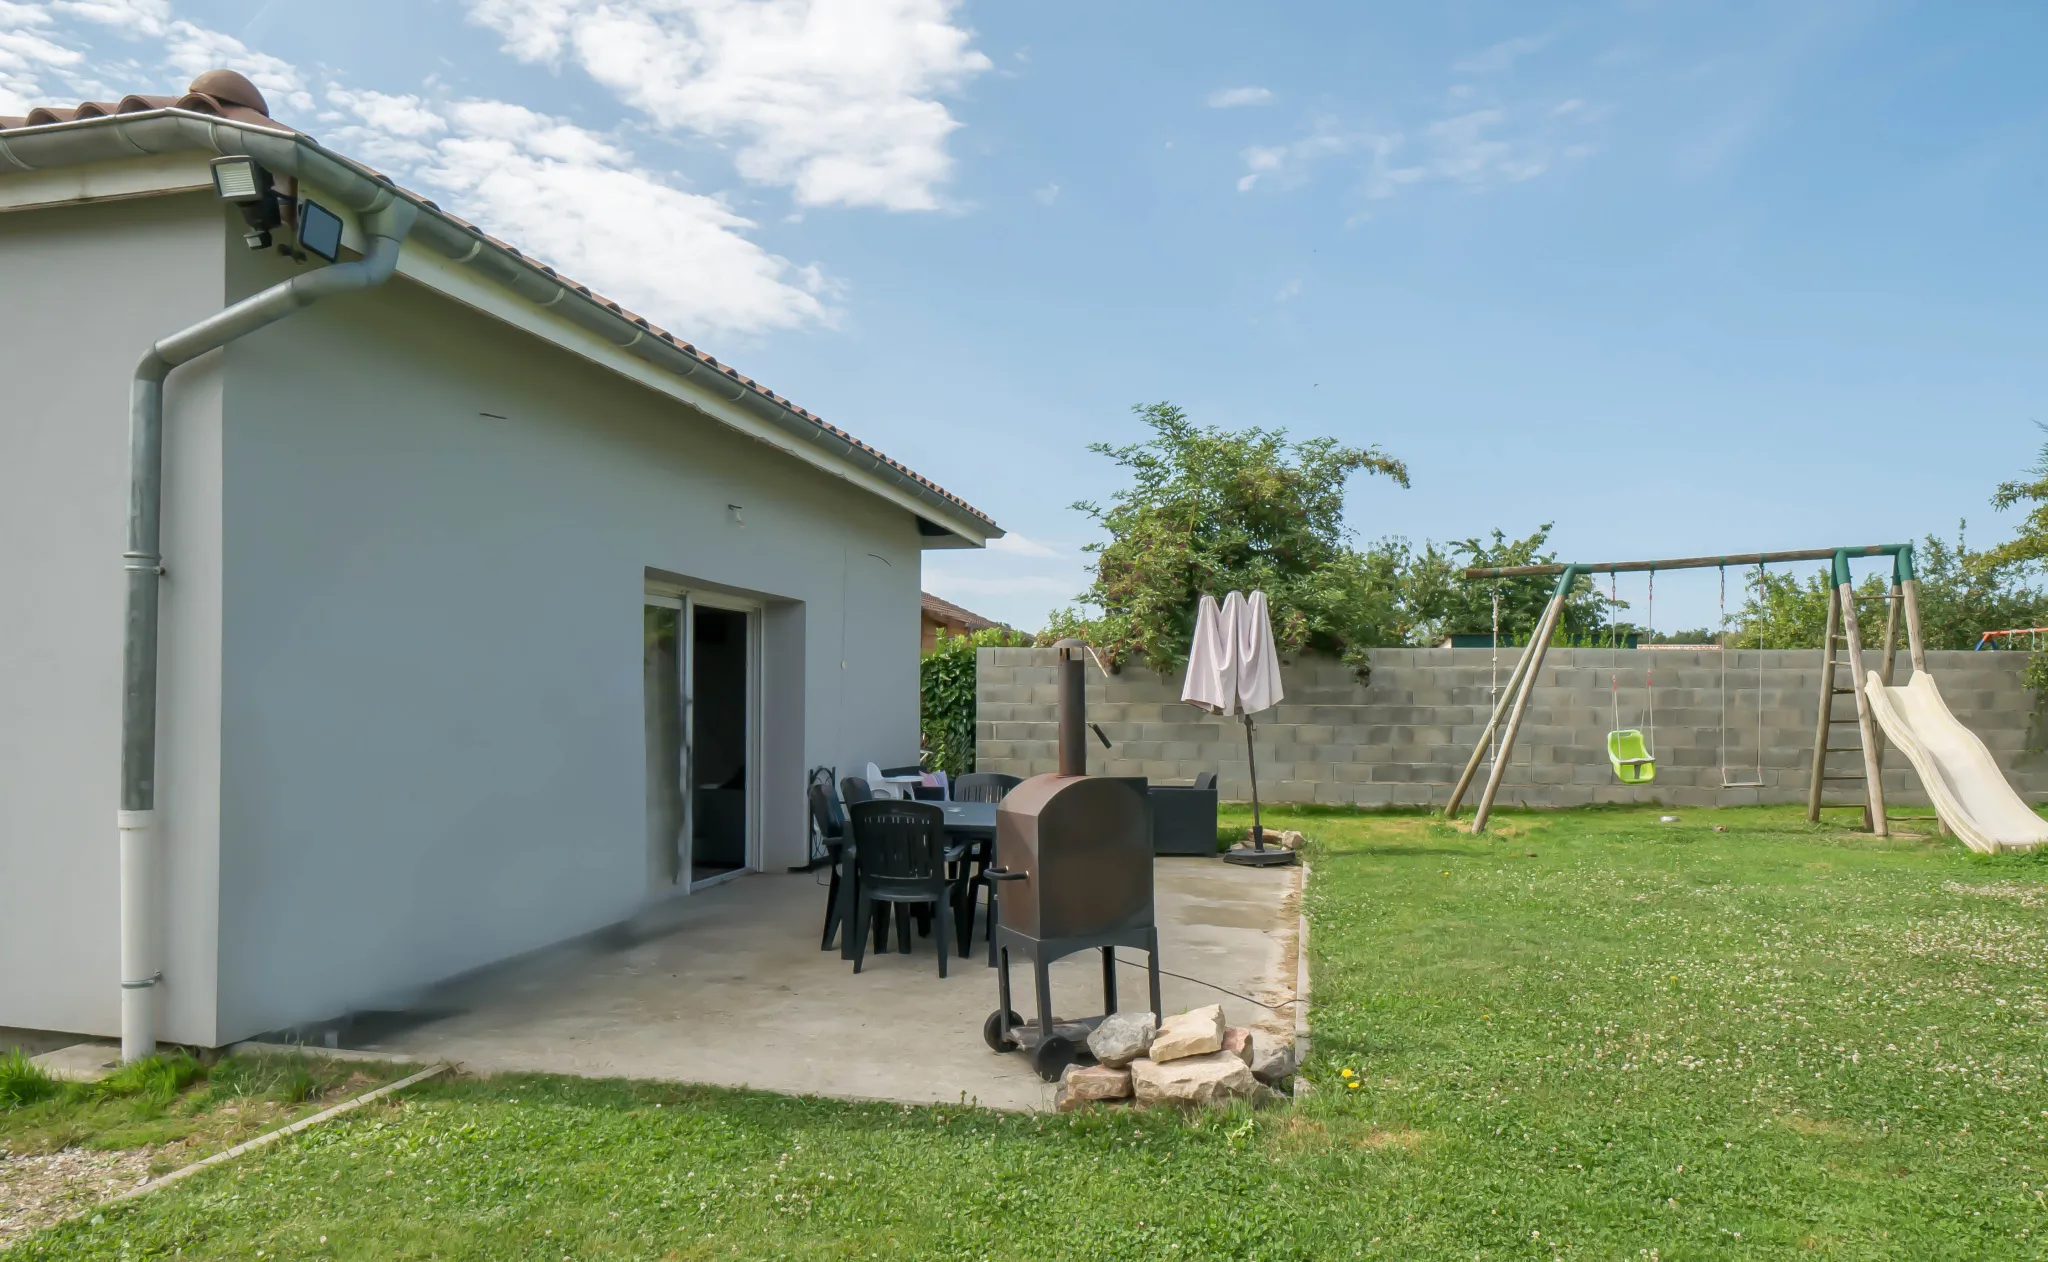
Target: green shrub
(947, 678)
(157, 1079)
(22, 1081)
(288, 1078)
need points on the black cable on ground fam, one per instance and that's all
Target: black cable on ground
(1211, 985)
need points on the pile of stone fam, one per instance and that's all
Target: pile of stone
(1190, 1059)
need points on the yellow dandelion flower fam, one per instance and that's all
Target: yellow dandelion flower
(1347, 1073)
(1353, 1085)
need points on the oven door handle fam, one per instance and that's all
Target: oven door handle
(1004, 874)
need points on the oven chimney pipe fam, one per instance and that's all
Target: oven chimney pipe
(1073, 708)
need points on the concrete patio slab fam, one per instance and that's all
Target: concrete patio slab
(80, 1062)
(728, 987)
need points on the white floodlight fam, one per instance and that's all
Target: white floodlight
(240, 179)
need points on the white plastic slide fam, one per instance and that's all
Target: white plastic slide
(1969, 791)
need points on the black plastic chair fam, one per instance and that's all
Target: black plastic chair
(900, 858)
(855, 789)
(983, 786)
(1207, 780)
(831, 825)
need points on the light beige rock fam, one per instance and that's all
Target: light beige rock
(1096, 1082)
(1068, 1101)
(1207, 1079)
(1194, 1033)
(1237, 1040)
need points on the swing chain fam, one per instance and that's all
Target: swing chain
(1727, 648)
(1649, 667)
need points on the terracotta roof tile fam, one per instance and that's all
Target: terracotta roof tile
(233, 97)
(946, 611)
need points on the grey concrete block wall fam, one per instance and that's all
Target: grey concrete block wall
(1401, 737)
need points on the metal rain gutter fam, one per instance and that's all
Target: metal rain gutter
(117, 136)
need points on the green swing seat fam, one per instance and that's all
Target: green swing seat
(1632, 761)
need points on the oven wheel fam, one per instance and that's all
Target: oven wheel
(1052, 1057)
(992, 1032)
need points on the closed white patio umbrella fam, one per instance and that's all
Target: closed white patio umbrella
(1234, 668)
(1211, 682)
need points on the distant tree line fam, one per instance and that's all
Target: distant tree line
(1209, 510)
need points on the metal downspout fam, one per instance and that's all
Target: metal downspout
(385, 226)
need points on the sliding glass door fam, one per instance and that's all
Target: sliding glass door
(701, 662)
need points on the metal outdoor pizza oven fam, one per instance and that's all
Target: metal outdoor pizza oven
(1074, 862)
(1083, 848)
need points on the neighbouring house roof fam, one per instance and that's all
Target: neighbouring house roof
(225, 113)
(954, 616)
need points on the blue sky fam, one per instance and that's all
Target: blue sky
(1681, 277)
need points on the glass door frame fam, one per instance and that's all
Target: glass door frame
(688, 600)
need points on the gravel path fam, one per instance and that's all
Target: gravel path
(38, 1190)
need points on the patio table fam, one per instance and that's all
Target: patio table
(967, 824)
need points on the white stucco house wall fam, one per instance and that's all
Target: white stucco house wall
(418, 543)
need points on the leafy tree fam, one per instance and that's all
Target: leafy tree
(1963, 594)
(1211, 510)
(2030, 545)
(1438, 600)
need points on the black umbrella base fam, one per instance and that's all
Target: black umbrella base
(1273, 858)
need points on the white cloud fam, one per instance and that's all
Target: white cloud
(1048, 195)
(1231, 98)
(403, 117)
(1477, 149)
(835, 99)
(1468, 151)
(1496, 58)
(193, 50)
(26, 57)
(1289, 291)
(573, 197)
(1289, 164)
(144, 18)
(1017, 545)
(577, 200)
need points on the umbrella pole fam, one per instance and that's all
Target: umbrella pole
(1252, 764)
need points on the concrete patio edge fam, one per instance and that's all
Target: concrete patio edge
(1301, 1029)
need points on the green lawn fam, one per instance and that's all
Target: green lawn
(145, 1120)
(1593, 1035)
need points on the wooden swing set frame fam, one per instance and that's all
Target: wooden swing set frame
(1842, 628)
